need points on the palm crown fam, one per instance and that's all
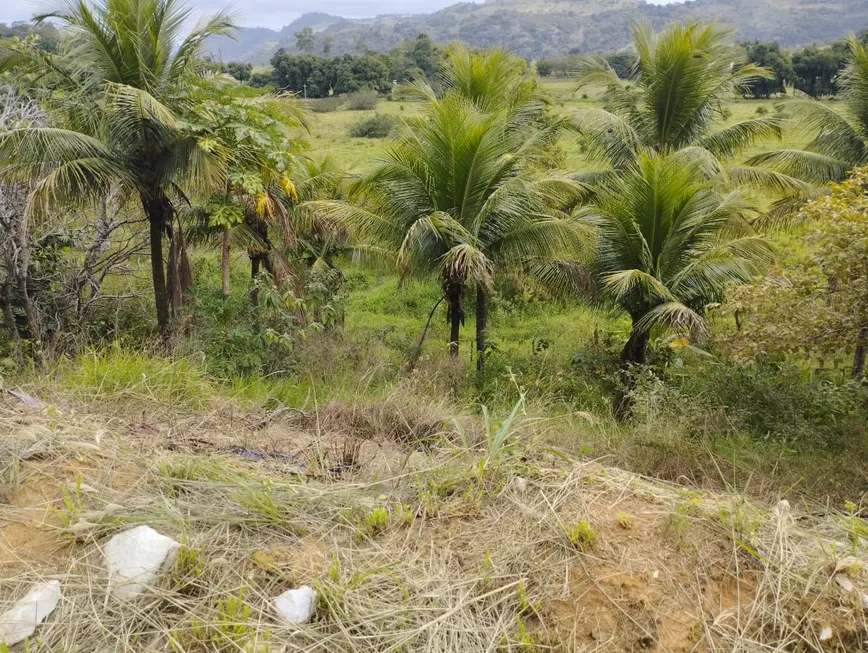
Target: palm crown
(682, 77)
(669, 242)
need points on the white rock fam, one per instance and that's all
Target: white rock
(826, 634)
(134, 557)
(26, 614)
(655, 574)
(521, 484)
(296, 606)
(782, 509)
(845, 583)
(865, 601)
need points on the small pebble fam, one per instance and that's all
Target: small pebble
(826, 634)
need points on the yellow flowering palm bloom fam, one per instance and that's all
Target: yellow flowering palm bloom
(289, 187)
(261, 204)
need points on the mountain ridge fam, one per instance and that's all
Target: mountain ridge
(550, 27)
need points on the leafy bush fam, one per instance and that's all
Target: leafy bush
(377, 126)
(325, 105)
(365, 100)
(761, 110)
(404, 93)
(764, 401)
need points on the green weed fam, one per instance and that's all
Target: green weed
(581, 535)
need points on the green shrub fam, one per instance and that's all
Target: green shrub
(766, 401)
(377, 126)
(325, 105)
(364, 100)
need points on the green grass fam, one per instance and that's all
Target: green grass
(329, 131)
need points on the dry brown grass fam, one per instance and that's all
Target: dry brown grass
(473, 552)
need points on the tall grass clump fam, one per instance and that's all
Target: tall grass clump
(364, 100)
(325, 105)
(115, 371)
(378, 125)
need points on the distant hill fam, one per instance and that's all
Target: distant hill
(553, 27)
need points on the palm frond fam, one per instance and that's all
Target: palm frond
(736, 138)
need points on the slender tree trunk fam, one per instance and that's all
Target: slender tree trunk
(861, 350)
(157, 211)
(420, 340)
(8, 313)
(481, 333)
(632, 356)
(30, 312)
(224, 263)
(454, 314)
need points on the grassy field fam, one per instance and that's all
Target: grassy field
(329, 131)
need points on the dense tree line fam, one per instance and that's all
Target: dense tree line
(813, 70)
(320, 76)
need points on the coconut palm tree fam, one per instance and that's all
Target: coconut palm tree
(493, 79)
(460, 195)
(840, 138)
(124, 70)
(675, 100)
(670, 240)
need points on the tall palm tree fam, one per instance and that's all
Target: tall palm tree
(459, 195)
(669, 242)
(683, 77)
(840, 139)
(124, 70)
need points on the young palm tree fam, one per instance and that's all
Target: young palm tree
(669, 242)
(124, 70)
(459, 195)
(493, 80)
(683, 77)
(840, 139)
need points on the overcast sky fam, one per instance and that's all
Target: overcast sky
(269, 13)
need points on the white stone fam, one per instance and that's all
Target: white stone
(521, 484)
(21, 620)
(826, 634)
(845, 583)
(296, 606)
(865, 601)
(134, 557)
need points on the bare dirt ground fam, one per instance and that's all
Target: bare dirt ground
(413, 541)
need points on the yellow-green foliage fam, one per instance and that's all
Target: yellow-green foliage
(100, 374)
(228, 629)
(581, 535)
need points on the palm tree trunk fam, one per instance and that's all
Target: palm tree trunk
(861, 350)
(157, 211)
(224, 263)
(30, 313)
(632, 356)
(8, 313)
(454, 315)
(481, 332)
